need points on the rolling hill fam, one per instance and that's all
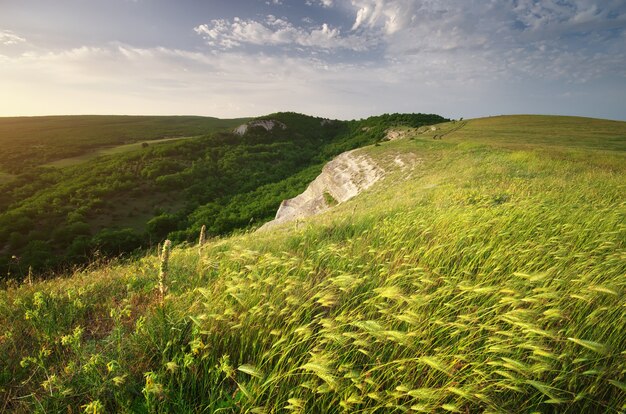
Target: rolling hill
(483, 272)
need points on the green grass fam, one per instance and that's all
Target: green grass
(490, 278)
(521, 131)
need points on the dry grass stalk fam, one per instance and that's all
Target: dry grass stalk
(165, 257)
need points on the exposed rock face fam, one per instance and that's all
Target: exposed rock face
(343, 178)
(394, 134)
(268, 125)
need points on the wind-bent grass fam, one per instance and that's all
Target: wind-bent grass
(489, 278)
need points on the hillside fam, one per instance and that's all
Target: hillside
(483, 273)
(115, 200)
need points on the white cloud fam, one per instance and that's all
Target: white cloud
(274, 31)
(546, 16)
(8, 38)
(322, 3)
(227, 84)
(552, 39)
(569, 14)
(392, 15)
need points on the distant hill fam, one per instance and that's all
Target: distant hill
(31, 141)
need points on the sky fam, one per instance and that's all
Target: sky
(343, 59)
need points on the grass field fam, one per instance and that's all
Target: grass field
(531, 130)
(488, 277)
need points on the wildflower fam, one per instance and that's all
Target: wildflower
(120, 380)
(152, 387)
(94, 407)
(171, 366)
(112, 366)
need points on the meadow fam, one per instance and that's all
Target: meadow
(487, 278)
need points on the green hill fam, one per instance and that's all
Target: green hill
(484, 273)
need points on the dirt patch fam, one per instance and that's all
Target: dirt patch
(394, 134)
(407, 161)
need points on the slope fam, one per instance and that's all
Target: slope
(486, 276)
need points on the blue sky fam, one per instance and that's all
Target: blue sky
(333, 58)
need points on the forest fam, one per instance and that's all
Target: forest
(53, 219)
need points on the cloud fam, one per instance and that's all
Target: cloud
(273, 31)
(391, 15)
(9, 38)
(567, 40)
(572, 41)
(227, 84)
(322, 3)
(532, 14)
(568, 15)
(235, 83)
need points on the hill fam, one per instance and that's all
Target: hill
(114, 200)
(32, 141)
(483, 273)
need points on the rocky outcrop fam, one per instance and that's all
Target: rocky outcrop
(341, 179)
(267, 124)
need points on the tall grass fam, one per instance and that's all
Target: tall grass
(485, 280)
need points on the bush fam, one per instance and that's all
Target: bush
(115, 242)
(160, 226)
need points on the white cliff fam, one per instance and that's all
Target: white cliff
(342, 178)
